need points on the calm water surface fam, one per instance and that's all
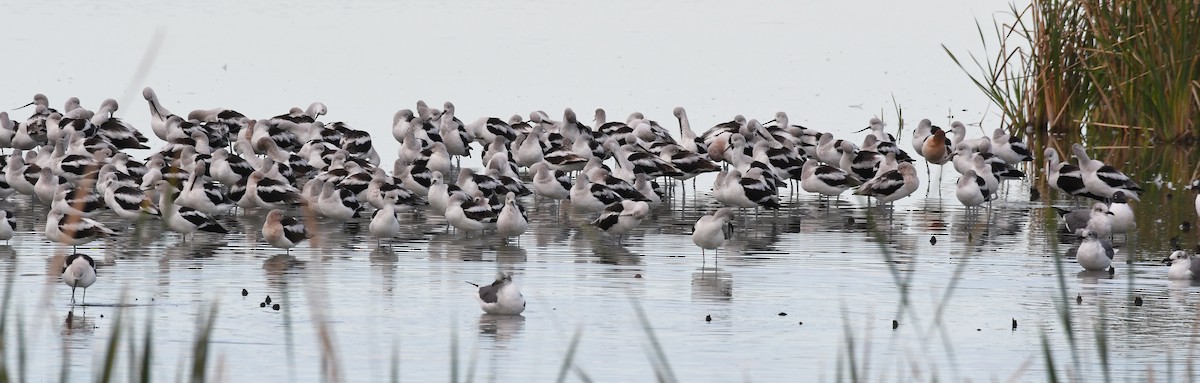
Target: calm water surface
(841, 271)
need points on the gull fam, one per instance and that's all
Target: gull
(501, 297)
(1095, 219)
(1121, 214)
(1094, 254)
(1182, 267)
(7, 225)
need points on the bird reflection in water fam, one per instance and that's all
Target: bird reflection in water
(712, 283)
(501, 327)
(78, 323)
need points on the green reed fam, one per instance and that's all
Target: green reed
(1110, 72)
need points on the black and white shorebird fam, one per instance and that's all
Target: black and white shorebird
(74, 230)
(972, 190)
(826, 180)
(710, 231)
(501, 297)
(619, 218)
(282, 231)
(8, 226)
(512, 220)
(1102, 179)
(384, 222)
(1065, 177)
(892, 185)
(79, 271)
(183, 219)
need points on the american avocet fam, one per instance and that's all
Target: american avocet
(984, 170)
(337, 202)
(591, 197)
(619, 218)
(893, 185)
(470, 214)
(117, 132)
(512, 221)
(646, 188)
(1102, 179)
(876, 127)
(1196, 188)
(1097, 219)
(529, 148)
(1065, 177)
(826, 180)
(77, 201)
(688, 139)
(439, 194)
(73, 230)
(1009, 148)
(202, 195)
(829, 149)
(270, 193)
(1182, 267)
(128, 202)
(547, 184)
(384, 222)
(924, 131)
(183, 219)
(750, 190)
(229, 168)
(283, 232)
(960, 138)
(972, 190)
(79, 271)
(8, 129)
(501, 297)
(158, 114)
(8, 225)
(1094, 254)
(1121, 214)
(709, 231)
(623, 188)
(46, 186)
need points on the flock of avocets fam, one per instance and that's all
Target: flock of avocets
(218, 160)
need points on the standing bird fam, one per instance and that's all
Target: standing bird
(893, 185)
(512, 221)
(1065, 177)
(619, 218)
(384, 223)
(1102, 179)
(501, 297)
(709, 231)
(972, 190)
(74, 230)
(283, 232)
(7, 226)
(1094, 254)
(1121, 214)
(79, 271)
(1097, 219)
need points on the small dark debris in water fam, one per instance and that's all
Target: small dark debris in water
(800, 323)
(933, 240)
(637, 275)
(1034, 194)
(1112, 270)
(782, 314)
(1185, 226)
(245, 293)
(1170, 195)
(275, 307)
(895, 324)
(262, 304)
(1014, 323)
(708, 318)
(1078, 299)
(970, 236)
(850, 221)
(1137, 301)
(268, 299)
(101, 315)
(978, 329)
(1174, 241)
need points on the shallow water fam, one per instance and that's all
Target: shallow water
(842, 272)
